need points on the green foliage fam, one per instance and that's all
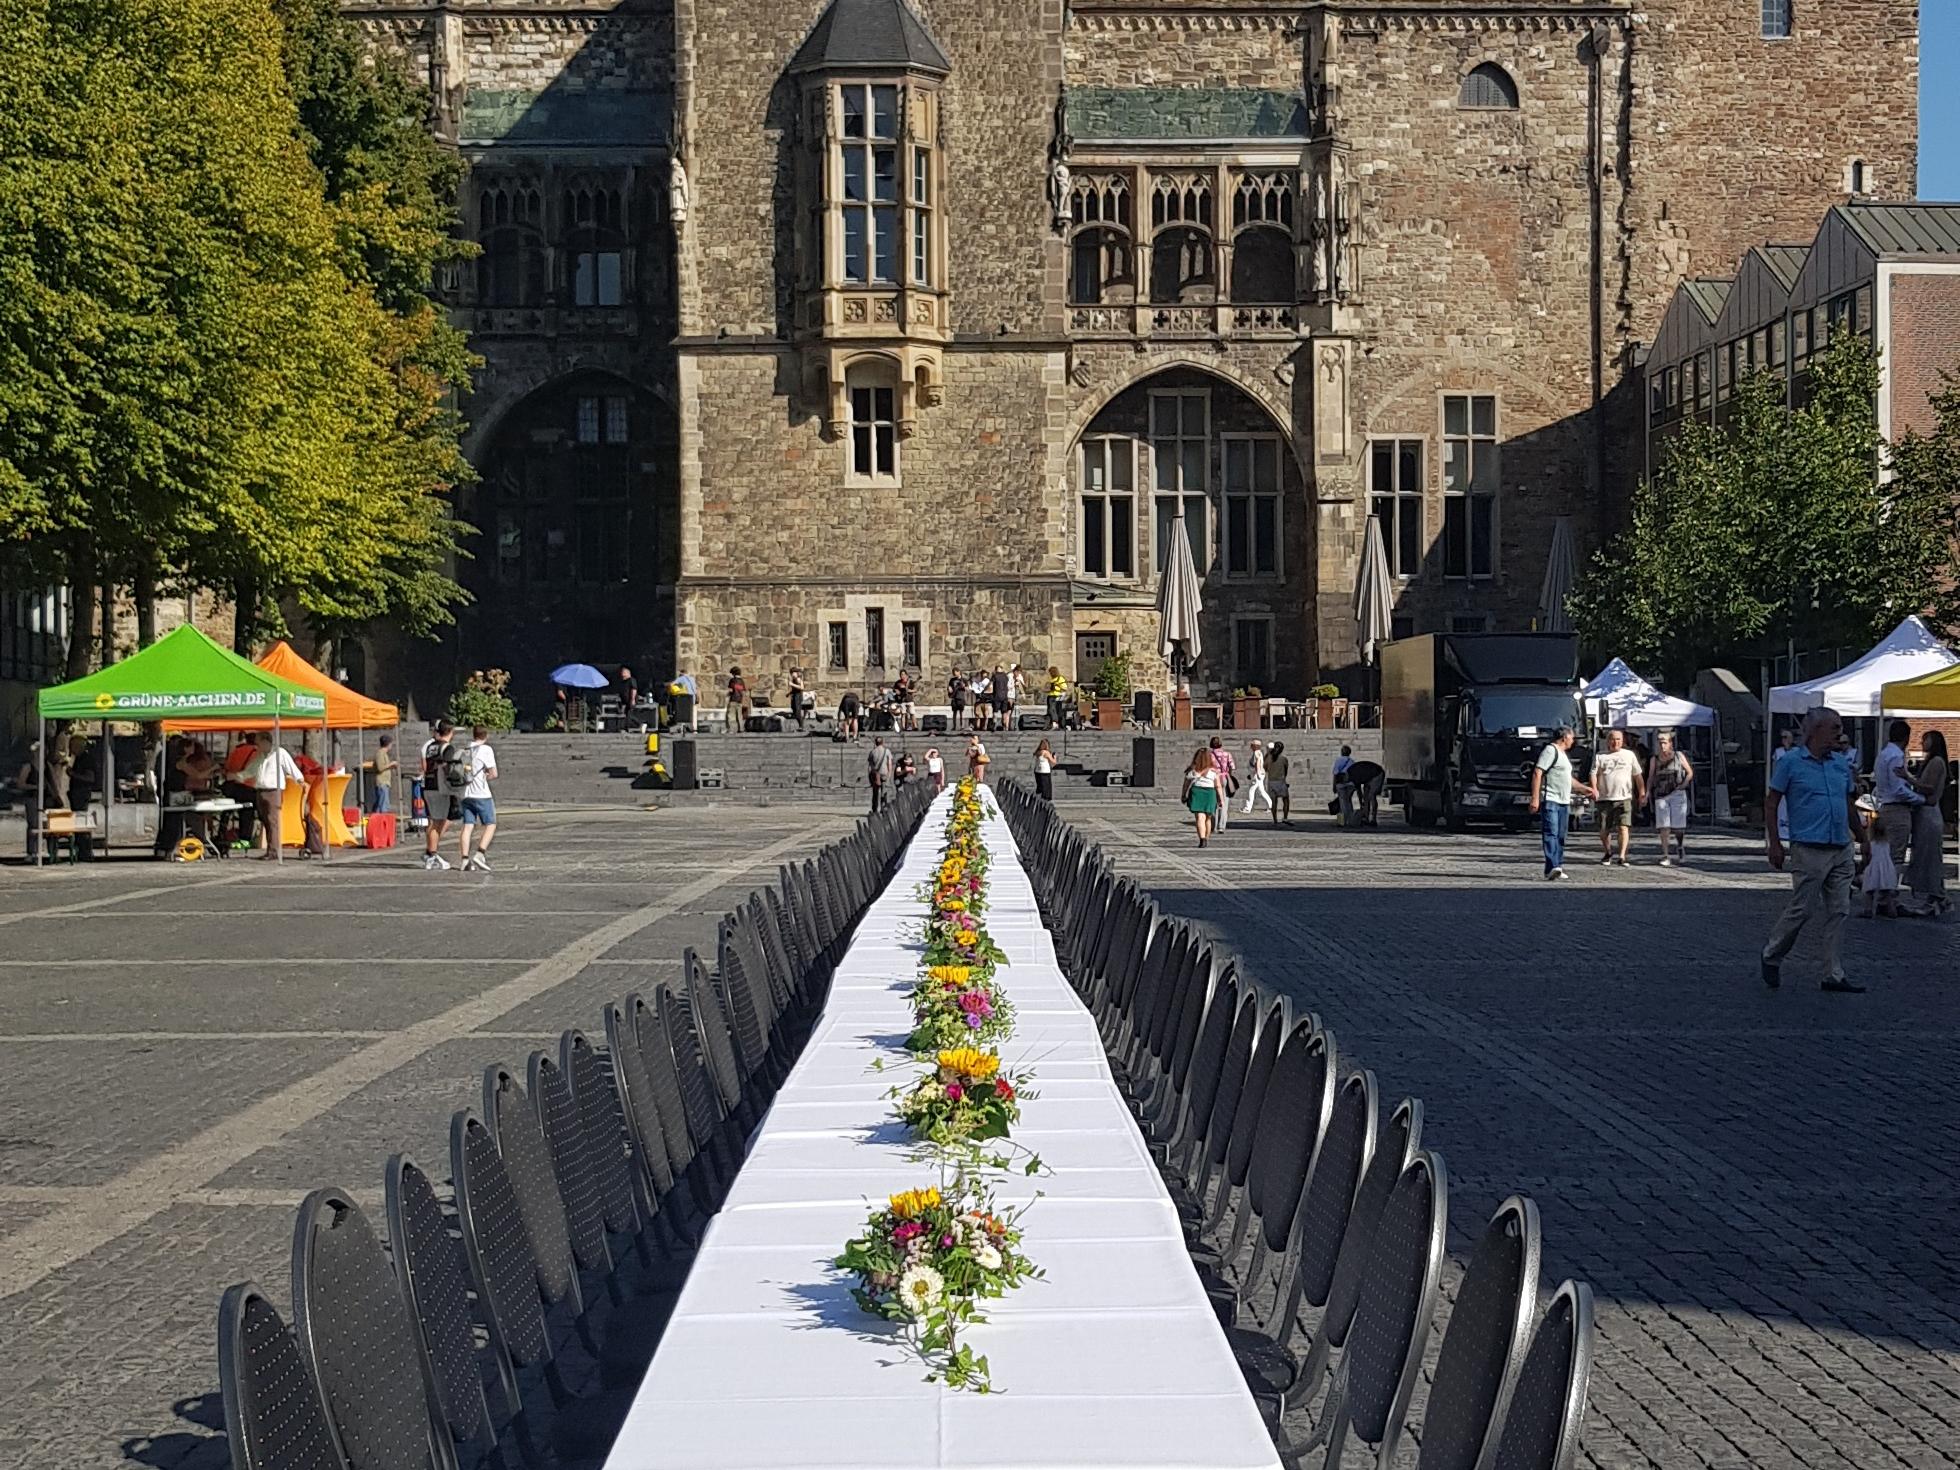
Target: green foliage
(1325, 691)
(1776, 526)
(482, 701)
(1115, 679)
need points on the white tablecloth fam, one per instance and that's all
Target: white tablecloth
(1113, 1360)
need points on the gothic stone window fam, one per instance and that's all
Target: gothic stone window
(1251, 505)
(595, 247)
(510, 228)
(1262, 239)
(1395, 501)
(868, 152)
(1183, 232)
(1779, 24)
(1470, 480)
(1180, 457)
(873, 439)
(1109, 517)
(1102, 239)
(1489, 88)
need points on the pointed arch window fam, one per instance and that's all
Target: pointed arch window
(1489, 88)
(1102, 239)
(1262, 239)
(1183, 257)
(595, 247)
(511, 271)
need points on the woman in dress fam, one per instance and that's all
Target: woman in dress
(1926, 870)
(1044, 772)
(1201, 792)
(1667, 788)
(977, 759)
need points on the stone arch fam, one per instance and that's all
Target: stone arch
(1138, 369)
(487, 412)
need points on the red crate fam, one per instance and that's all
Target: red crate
(381, 829)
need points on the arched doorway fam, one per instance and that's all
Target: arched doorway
(577, 520)
(1186, 440)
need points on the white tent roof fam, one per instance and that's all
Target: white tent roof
(1855, 690)
(1632, 703)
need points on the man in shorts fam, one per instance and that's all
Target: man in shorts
(1620, 786)
(445, 806)
(478, 809)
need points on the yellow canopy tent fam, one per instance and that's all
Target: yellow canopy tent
(1934, 693)
(347, 709)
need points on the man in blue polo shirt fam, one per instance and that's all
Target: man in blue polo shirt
(1816, 792)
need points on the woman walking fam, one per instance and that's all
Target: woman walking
(1667, 787)
(1044, 772)
(1201, 792)
(977, 759)
(1926, 870)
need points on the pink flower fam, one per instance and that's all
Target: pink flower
(954, 1092)
(973, 1023)
(907, 1230)
(948, 1241)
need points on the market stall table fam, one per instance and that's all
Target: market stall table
(1114, 1358)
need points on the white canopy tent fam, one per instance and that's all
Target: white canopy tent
(1629, 702)
(1857, 690)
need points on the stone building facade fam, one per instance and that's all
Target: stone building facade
(853, 334)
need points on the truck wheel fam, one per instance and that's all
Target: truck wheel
(1415, 814)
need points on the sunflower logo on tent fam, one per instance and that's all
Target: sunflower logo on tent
(105, 701)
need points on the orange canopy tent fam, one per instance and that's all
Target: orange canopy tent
(347, 709)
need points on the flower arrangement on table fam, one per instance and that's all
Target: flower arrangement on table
(962, 1108)
(926, 1260)
(954, 1005)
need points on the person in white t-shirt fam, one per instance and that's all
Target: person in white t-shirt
(269, 777)
(479, 809)
(936, 768)
(1619, 786)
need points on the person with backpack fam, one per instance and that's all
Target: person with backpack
(445, 776)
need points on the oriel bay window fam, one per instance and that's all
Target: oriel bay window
(1395, 501)
(870, 147)
(1109, 532)
(1469, 485)
(1252, 505)
(1180, 458)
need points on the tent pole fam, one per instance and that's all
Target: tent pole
(275, 833)
(108, 783)
(41, 775)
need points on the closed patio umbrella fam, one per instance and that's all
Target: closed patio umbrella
(1561, 573)
(1179, 604)
(1374, 595)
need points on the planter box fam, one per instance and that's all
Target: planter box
(1245, 712)
(1109, 714)
(1324, 714)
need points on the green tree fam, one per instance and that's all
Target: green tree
(1774, 527)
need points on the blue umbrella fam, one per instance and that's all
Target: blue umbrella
(579, 676)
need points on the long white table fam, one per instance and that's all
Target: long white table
(1114, 1360)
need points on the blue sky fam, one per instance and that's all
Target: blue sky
(1939, 99)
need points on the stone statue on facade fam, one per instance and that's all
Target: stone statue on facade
(677, 191)
(1058, 192)
(1320, 234)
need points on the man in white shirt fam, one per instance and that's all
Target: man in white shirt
(269, 777)
(1619, 786)
(1895, 794)
(479, 809)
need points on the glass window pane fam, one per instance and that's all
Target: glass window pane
(1092, 536)
(583, 292)
(884, 112)
(1382, 508)
(1265, 534)
(1409, 470)
(921, 255)
(921, 177)
(884, 174)
(854, 176)
(1122, 466)
(1163, 416)
(1483, 471)
(1238, 464)
(1161, 513)
(615, 420)
(1193, 467)
(885, 265)
(881, 399)
(1456, 415)
(1094, 454)
(1122, 538)
(1483, 415)
(861, 460)
(1197, 529)
(1456, 466)
(1265, 465)
(609, 278)
(887, 450)
(1238, 534)
(861, 405)
(1381, 467)
(1482, 515)
(1408, 534)
(588, 421)
(1456, 532)
(1194, 413)
(856, 267)
(853, 112)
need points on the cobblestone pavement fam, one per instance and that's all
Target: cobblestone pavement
(1761, 1187)
(185, 1051)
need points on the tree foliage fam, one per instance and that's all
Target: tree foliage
(1776, 526)
(212, 369)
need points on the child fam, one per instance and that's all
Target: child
(1881, 881)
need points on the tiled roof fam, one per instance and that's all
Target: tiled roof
(1784, 261)
(1184, 113)
(1708, 294)
(1904, 229)
(870, 33)
(619, 116)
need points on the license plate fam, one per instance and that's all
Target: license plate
(1476, 798)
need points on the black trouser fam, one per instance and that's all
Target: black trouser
(1044, 785)
(877, 793)
(247, 815)
(33, 809)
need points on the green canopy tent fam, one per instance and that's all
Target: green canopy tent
(182, 674)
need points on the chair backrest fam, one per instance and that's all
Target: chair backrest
(350, 1323)
(649, 1036)
(636, 1100)
(1252, 1093)
(1232, 1069)
(609, 1147)
(1548, 1405)
(711, 1032)
(1484, 1343)
(700, 1102)
(1339, 1165)
(1398, 1306)
(1299, 1102)
(1395, 1148)
(274, 1415)
(496, 1244)
(737, 989)
(1208, 1050)
(513, 1125)
(430, 1273)
(571, 1162)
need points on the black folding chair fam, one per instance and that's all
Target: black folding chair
(1484, 1343)
(1548, 1405)
(275, 1417)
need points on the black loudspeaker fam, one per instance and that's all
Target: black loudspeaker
(681, 763)
(1140, 708)
(1143, 760)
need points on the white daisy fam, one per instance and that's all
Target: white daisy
(919, 1288)
(988, 1257)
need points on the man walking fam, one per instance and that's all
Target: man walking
(1617, 779)
(1551, 798)
(1255, 789)
(1228, 779)
(1817, 791)
(1894, 792)
(477, 808)
(878, 768)
(444, 805)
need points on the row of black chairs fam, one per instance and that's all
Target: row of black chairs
(1318, 1228)
(513, 1332)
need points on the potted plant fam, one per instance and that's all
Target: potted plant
(1113, 688)
(1326, 695)
(1245, 708)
